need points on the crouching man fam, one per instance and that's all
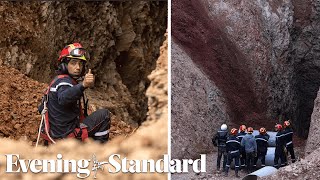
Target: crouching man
(64, 104)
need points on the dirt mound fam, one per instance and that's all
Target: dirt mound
(19, 99)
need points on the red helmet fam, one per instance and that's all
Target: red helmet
(242, 128)
(262, 130)
(234, 131)
(286, 123)
(250, 130)
(74, 50)
(278, 127)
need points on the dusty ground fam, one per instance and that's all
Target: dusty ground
(212, 174)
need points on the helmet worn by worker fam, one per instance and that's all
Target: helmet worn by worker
(278, 127)
(250, 130)
(71, 51)
(224, 127)
(262, 130)
(242, 128)
(286, 123)
(234, 131)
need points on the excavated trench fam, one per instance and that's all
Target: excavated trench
(261, 59)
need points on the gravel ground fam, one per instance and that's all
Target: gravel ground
(212, 174)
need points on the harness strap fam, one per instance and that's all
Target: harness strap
(79, 133)
(45, 115)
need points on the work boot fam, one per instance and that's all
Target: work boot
(226, 172)
(237, 174)
(218, 170)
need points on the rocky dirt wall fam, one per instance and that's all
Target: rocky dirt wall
(268, 49)
(123, 39)
(305, 52)
(198, 107)
(313, 141)
(150, 141)
(261, 32)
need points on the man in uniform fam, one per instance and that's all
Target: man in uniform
(288, 133)
(220, 140)
(240, 135)
(262, 146)
(250, 145)
(279, 152)
(233, 150)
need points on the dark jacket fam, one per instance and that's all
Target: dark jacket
(280, 141)
(262, 143)
(240, 135)
(220, 139)
(249, 143)
(64, 106)
(287, 136)
(233, 144)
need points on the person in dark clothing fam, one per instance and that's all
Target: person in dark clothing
(279, 151)
(250, 145)
(233, 150)
(240, 135)
(65, 112)
(288, 133)
(220, 140)
(262, 147)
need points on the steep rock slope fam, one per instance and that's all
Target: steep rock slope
(201, 102)
(261, 55)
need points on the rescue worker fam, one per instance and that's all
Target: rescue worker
(250, 145)
(262, 146)
(288, 133)
(233, 150)
(279, 151)
(64, 95)
(240, 135)
(220, 140)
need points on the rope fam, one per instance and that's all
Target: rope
(39, 132)
(43, 117)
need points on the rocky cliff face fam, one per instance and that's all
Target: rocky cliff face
(197, 107)
(123, 39)
(261, 55)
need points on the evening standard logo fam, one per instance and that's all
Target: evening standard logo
(115, 164)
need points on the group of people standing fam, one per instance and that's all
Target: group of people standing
(246, 149)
